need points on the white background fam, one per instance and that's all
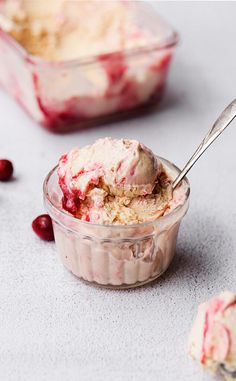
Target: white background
(52, 326)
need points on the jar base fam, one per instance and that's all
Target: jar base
(117, 287)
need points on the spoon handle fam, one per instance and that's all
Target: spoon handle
(219, 126)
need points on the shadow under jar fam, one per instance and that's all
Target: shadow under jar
(115, 256)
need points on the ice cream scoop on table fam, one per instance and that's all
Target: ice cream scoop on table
(212, 340)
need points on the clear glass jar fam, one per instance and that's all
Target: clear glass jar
(115, 256)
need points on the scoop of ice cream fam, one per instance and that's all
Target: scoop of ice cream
(212, 340)
(121, 167)
(114, 182)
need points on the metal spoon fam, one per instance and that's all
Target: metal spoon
(219, 126)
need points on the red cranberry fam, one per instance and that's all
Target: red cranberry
(42, 226)
(6, 170)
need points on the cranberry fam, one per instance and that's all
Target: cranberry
(6, 170)
(42, 226)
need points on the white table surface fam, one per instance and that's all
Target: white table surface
(52, 326)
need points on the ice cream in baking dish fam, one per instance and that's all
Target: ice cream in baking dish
(80, 60)
(62, 30)
(212, 341)
(115, 217)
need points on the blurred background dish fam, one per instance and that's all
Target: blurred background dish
(70, 64)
